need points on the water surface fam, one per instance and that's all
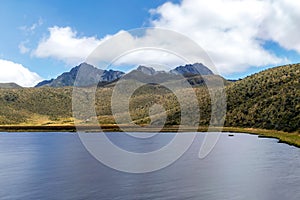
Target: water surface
(56, 166)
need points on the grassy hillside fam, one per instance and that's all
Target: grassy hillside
(34, 105)
(269, 100)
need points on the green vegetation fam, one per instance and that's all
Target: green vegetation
(269, 100)
(34, 105)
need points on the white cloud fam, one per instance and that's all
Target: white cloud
(64, 44)
(229, 31)
(31, 28)
(140, 47)
(281, 23)
(17, 73)
(22, 47)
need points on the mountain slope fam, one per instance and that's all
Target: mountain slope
(195, 74)
(192, 69)
(269, 99)
(92, 76)
(146, 70)
(25, 104)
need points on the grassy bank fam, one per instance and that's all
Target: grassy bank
(283, 137)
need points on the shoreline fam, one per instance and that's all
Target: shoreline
(283, 137)
(292, 139)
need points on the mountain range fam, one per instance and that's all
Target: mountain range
(93, 75)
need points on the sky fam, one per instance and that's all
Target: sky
(42, 39)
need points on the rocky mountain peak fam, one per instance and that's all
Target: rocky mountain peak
(146, 70)
(192, 69)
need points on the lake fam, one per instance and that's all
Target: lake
(36, 166)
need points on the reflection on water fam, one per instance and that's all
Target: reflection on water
(56, 166)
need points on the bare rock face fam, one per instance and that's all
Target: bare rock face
(92, 76)
(192, 69)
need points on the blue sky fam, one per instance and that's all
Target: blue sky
(241, 38)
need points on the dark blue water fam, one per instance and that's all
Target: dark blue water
(56, 166)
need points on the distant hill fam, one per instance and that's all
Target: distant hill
(269, 99)
(9, 85)
(92, 76)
